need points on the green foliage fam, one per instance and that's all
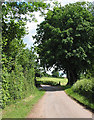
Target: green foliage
(16, 85)
(44, 74)
(55, 73)
(66, 36)
(90, 71)
(84, 87)
(5, 87)
(18, 63)
(23, 107)
(80, 98)
(91, 7)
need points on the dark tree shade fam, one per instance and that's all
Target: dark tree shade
(65, 39)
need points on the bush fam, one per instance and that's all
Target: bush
(84, 87)
(16, 85)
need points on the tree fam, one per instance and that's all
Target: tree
(90, 71)
(64, 39)
(55, 73)
(14, 18)
(91, 7)
(17, 62)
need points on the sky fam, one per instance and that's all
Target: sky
(33, 25)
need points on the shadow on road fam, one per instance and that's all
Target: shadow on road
(53, 88)
(50, 88)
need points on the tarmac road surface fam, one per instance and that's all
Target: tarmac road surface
(57, 104)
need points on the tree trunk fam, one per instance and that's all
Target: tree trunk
(68, 76)
(72, 77)
(35, 81)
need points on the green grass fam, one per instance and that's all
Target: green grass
(23, 107)
(52, 80)
(78, 91)
(80, 98)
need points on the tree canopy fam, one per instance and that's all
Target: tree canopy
(66, 39)
(18, 63)
(55, 73)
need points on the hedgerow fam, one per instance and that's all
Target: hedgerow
(85, 87)
(16, 86)
(18, 62)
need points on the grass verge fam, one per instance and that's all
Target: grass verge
(23, 107)
(80, 98)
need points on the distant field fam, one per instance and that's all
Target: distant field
(55, 81)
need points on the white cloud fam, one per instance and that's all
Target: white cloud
(32, 26)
